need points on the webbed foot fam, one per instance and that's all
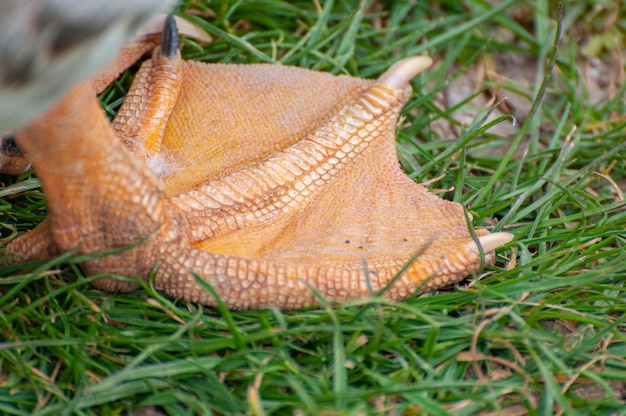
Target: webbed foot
(262, 180)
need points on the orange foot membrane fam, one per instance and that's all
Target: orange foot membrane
(265, 181)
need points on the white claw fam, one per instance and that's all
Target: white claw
(400, 73)
(490, 242)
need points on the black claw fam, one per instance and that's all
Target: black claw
(169, 44)
(9, 147)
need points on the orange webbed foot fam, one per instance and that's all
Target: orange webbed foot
(262, 180)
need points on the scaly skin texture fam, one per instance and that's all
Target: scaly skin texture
(264, 181)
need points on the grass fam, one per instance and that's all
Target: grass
(541, 332)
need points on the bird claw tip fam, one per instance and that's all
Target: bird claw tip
(490, 242)
(400, 73)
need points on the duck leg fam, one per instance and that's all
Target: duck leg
(277, 180)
